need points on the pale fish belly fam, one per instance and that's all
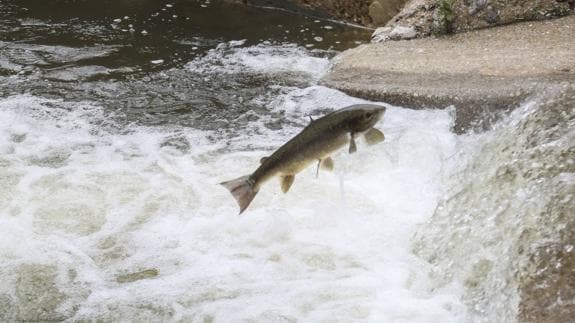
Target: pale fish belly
(313, 155)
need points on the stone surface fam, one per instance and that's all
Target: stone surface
(548, 291)
(445, 16)
(397, 33)
(479, 72)
(417, 14)
(473, 14)
(381, 11)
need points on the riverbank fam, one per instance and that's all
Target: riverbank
(481, 72)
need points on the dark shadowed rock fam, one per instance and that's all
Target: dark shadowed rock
(548, 291)
(547, 278)
(381, 11)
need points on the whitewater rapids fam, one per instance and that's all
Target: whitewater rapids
(103, 220)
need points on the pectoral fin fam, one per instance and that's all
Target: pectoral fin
(327, 164)
(373, 136)
(352, 145)
(286, 182)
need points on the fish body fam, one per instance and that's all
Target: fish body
(316, 142)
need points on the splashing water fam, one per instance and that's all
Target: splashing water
(94, 206)
(110, 207)
(507, 211)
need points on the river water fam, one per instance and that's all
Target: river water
(119, 119)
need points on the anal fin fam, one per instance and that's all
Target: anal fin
(373, 136)
(286, 182)
(327, 164)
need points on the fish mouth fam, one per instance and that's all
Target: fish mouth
(378, 111)
(363, 116)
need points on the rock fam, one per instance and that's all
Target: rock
(398, 33)
(381, 34)
(570, 2)
(546, 291)
(428, 17)
(480, 72)
(381, 11)
(417, 14)
(481, 13)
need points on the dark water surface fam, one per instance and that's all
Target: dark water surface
(131, 55)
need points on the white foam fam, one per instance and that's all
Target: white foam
(231, 58)
(101, 204)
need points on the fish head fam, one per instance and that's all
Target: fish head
(364, 116)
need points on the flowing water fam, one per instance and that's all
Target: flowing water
(118, 121)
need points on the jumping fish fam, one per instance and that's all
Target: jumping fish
(315, 143)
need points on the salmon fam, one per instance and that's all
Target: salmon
(315, 143)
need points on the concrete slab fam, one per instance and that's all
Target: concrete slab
(480, 72)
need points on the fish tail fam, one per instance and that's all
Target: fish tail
(243, 190)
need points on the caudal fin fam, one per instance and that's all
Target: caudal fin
(243, 191)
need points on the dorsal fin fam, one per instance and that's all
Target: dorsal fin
(263, 159)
